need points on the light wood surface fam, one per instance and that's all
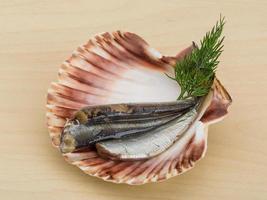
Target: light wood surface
(36, 36)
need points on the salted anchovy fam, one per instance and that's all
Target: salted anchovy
(97, 123)
(128, 111)
(153, 142)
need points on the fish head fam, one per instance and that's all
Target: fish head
(76, 135)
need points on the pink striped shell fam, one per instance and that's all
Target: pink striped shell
(121, 67)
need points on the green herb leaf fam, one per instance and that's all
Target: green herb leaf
(196, 72)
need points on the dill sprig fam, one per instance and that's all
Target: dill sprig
(196, 72)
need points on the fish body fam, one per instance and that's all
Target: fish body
(148, 144)
(97, 123)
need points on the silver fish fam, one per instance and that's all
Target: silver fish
(93, 124)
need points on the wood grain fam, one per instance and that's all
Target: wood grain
(36, 36)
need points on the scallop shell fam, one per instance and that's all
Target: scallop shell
(121, 67)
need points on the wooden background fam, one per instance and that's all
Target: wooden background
(36, 36)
